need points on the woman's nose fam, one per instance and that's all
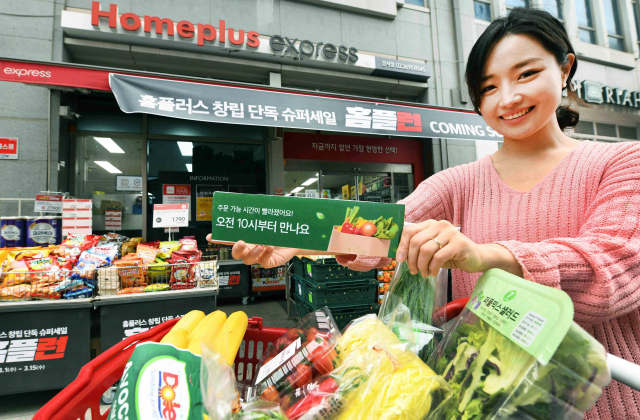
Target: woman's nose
(509, 97)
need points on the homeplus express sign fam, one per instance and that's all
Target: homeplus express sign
(236, 105)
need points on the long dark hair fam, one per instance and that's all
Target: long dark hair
(539, 24)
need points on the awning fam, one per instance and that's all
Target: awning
(185, 98)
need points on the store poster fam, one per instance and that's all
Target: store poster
(42, 349)
(268, 279)
(176, 194)
(337, 226)
(204, 198)
(120, 321)
(8, 148)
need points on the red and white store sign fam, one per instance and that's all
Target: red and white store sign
(170, 215)
(113, 220)
(48, 204)
(8, 148)
(340, 148)
(77, 218)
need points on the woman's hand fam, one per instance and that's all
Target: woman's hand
(266, 256)
(450, 249)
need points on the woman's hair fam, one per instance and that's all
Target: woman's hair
(542, 26)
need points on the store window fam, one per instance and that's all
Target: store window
(420, 3)
(586, 30)
(517, 3)
(605, 132)
(482, 10)
(636, 18)
(191, 171)
(108, 170)
(554, 7)
(614, 29)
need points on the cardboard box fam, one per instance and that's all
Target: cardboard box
(307, 223)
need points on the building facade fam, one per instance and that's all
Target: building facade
(408, 51)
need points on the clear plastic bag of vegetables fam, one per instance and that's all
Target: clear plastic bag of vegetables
(514, 352)
(415, 307)
(301, 355)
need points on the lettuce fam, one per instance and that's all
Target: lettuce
(491, 376)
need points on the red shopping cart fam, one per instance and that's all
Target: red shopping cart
(98, 376)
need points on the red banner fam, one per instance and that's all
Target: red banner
(335, 147)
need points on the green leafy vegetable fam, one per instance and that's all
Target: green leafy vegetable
(490, 376)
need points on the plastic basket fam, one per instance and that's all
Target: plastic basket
(341, 314)
(346, 293)
(327, 270)
(96, 377)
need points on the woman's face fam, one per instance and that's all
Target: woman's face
(521, 87)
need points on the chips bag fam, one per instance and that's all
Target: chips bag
(183, 269)
(167, 248)
(130, 273)
(147, 254)
(188, 244)
(109, 249)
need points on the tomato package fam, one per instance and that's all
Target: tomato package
(298, 357)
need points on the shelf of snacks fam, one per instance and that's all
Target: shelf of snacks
(98, 266)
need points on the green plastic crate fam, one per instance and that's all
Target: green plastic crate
(346, 293)
(342, 314)
(327, 270)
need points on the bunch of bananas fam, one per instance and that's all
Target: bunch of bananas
(219, 333)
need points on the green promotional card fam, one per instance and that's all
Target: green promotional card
(336, 226)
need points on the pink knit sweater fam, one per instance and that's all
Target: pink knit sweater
(578, 230)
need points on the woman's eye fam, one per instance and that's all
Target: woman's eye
(528, 73)
(487, 89)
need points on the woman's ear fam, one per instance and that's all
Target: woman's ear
(566, 68)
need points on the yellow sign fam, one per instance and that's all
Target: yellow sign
(353, 192)
(345, 192)
(203, 208)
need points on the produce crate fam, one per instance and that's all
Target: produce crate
(342, 314)
(327, 270)
(346, 293)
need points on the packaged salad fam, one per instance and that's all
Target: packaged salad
(515, 352)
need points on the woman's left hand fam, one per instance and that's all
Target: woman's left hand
(431, 245)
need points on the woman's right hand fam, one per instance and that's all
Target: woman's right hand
(266, 256)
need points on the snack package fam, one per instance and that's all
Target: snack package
(128, 248)
(19, 292)
(110, 249)
(130, 273)
(166, 249)
(147, 254)
(158, 287)
(131, 290)
(44, 292)
(188, 244)
(45, 270)
(410, 306)
(159, 272)
(514, 352)
(80, 291)
(183, 269)
(298, 357)
(207, 274)
(16, 276)
(137, 241)
(74, 245)
(88, 263)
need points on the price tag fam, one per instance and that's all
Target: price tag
(170, 215)
(48, 204)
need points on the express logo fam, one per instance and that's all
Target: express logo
(25, 72)
(167, 403)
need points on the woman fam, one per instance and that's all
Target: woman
(545, 207)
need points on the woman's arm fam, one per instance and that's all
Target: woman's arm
(422, 204)
(599, 269)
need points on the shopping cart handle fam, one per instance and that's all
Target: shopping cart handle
(624, 371)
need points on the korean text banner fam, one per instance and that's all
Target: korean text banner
(336, 226)
(236, 105)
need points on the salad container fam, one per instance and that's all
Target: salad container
(514, 352)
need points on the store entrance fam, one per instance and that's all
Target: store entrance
(376, 182)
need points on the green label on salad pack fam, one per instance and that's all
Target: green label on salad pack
(533, 316)
(336, 226)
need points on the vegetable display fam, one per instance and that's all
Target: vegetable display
(492, 377)
(380, 228)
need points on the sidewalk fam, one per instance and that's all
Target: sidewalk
(272, 311)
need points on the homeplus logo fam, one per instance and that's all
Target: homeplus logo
(25, 72)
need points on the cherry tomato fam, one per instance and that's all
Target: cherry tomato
(303, 375)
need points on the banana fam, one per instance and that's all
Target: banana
(189, 321)
(209, 326)
(177, 337)
(195, 346)
(230, 336)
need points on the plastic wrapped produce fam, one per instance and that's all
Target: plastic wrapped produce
(515, 353)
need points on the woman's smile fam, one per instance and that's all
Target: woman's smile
(517, 117)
